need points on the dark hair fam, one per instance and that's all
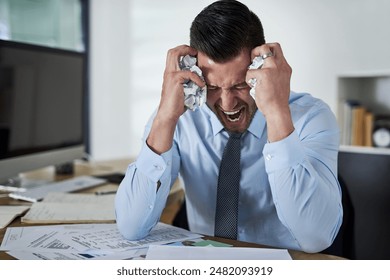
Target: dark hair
(224, 28)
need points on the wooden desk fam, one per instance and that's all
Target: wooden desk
(120, 165)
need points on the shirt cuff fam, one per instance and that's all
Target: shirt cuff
(283, 154)
(151, 164)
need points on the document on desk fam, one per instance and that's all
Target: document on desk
(134, 254)
(9, 213)
(96, 240)
(72, 208)
(164, 252)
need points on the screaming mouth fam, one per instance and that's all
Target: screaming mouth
(233, 116)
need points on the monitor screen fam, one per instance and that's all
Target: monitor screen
(42, 92)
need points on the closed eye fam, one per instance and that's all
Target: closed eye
(211, 87)
(241, 86)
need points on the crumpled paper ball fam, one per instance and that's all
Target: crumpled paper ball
(194, 96)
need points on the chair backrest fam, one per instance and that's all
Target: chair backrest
(343, 245)
(367, 180)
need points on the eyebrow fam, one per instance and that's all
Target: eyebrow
(233, 86)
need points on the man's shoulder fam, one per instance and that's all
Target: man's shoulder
(304, 106)
(303, 99)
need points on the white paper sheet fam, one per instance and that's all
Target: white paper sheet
(111, 239)
(45, 238)
(72, 208)
(164, 252)
(9, 213)
(136, 254)
(101, 240)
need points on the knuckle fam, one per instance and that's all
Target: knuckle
(171, 52)
(289, 69)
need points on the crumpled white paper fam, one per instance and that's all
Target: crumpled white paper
(257, 63)
(194, 96)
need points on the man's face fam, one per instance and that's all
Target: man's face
(227, 91)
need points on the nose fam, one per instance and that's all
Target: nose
(228, 100)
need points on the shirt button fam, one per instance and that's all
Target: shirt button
(268, 157)
(158, 167)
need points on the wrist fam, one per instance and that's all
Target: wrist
(160, 138)
(279, 125)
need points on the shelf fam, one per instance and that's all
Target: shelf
(364, 150)
(371, 92)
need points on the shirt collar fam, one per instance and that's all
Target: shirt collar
(256, 126)
(216, 125)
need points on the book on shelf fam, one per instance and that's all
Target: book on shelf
(369, 128)
(356, 124)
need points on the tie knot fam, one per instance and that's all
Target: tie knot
(235, 135)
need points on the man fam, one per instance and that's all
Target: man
(289, 196)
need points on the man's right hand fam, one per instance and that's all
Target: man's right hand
(172, 99)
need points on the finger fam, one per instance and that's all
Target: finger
(173, 56)
(271, 61)
(276, 49)
(250, 75)
(185, 76)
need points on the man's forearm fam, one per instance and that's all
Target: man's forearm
(160, 138)
(279, 125)
(138, 205)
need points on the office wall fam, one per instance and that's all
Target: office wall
(320, 39)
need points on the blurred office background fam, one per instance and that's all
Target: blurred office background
(129, 40)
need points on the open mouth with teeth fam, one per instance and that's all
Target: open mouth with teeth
(234, 116)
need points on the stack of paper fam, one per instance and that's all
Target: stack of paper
(9, 213)
(72, 208)
(103, 241)
(84, 241)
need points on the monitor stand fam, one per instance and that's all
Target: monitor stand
(23, 181)
(20, 183)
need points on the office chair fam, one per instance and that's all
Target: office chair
(180, 219)
(342, 246)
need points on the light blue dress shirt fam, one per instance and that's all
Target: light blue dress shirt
(289, 193)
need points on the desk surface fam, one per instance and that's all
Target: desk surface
(101, 168)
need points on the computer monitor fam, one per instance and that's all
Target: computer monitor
(42, 107)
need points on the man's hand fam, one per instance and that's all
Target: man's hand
(273, 90)
(172, 99)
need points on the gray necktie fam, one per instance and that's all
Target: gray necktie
(226, 215)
